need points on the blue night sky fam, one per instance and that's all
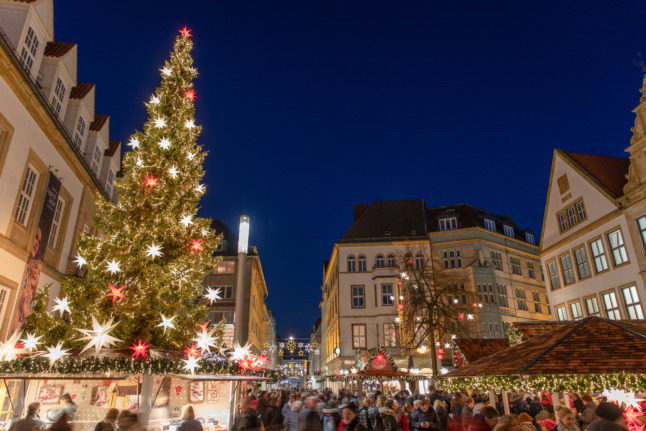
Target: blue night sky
(309, 107)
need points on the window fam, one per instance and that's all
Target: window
(599, 255)
(419, 261)
(218, 316)
(358, 336)
(358, 297)
(509, 231)
(452, 259)
(3, 299)
(617, 248)
(58, 97)
(610, 304)
(537, 302)
(390, 335)
(572, 215)
(575, 310)
(582, 263)
(379, 262)
(225, 268)
(496, 259)
(96, 160)
(226, 292)
(631, 300)
(490, 225)
(515, 265)
(56, 223)
(448, 223)
(79, 133)
(521, 300)
(529, 237)
(554, 275)
(362, 263)
(592, 307)
(29, 50)
(110, 182)
(502, 295)
(566, 267)
(531, 272)
(387, 297)
(26, 195)
(390, 261)
(641, 223)
(561, 313)
(352, 264)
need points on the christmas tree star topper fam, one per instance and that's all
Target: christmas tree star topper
(185, 32)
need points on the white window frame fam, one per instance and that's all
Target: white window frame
(96, 159)
(389, 340)
(576, 311)
(490, 224)
(387, 298)
(362, 263)
(516, 268)
(79, 132)
(357, 297)
(29, 49)
(508, 230)
(611, 305)
(448, 223)
(561, 313)
(599, 255)
(567, 269)
(529, 238)
(555, 279)
(109, 182)
(352, 264)
(57, 221)
(380, 261)
(592, 306)
(58, 96)
(632, 302)
(359, 335)
(582, 262)
(26, 196)
(390, 261)
(617, 247)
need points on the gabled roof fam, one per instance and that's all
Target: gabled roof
(385, 220)
(81, 90)
(609, 172)
(112, 148)
(99, 122)
(58, 49)
(533, 329)
(477, 348)
(589, 346)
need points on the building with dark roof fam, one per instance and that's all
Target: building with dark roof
(593, 244)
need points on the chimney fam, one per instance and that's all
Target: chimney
(359, 209)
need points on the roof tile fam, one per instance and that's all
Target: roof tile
(392, 219)
(476, 348)
(98, 123)
(58, 49)
(610, 172)
(112, 148)
(81, 90)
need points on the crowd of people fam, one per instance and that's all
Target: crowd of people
(283, 410)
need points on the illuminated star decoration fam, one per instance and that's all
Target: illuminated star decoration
(191, 363)
(55, 353)
(133, 143)
(212, 294)
(113, 266)
(80, 261)
(160, 122)
(30, 341)
(62, 305)
(98, 337)
(150, 181)
(197, 245)
(173, 172)
(154, 99)
(190, 156)
(204, 326)
(632, 416)
(153, 251)
(260, 361)
(164, 143)
(116, 293)
(239, 352)
(200, 188)
(469, 316)
(166, 71)
(192, 351)
(205, 340)
(461, 316)
(190, 94)
(140, 350)
(167, 323)
(139, 162)
(185, 32)
(11, 349)
(187, 220)
(189, 124)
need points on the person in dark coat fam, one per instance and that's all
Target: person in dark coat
(442, 415)
(425, 418)
(610, 418)
(388, 416)
(248, 420)
(109, 422)
(486, 420)
(273, 419)
(188, 422)
(309, 419)
(351, 419)
(31, 421)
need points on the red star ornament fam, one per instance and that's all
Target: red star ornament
(185, 32)
(197, 245)
(150, 181)
(116, 293)
(178, 389)
(204, 326)
(192, 351)
(245, 364)
(190, 95)
(461, 316)
(140, 350)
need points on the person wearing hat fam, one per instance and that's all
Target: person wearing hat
(350, 418)
(610, 418)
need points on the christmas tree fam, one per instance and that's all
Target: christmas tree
(140, 277)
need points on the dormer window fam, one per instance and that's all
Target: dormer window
(29, 49)
(529, 237)
(79, 133)
(509, 231)
(96, 159)
(58, 97)
(490, 224)
(448, 223)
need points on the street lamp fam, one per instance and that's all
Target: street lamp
(337, 351)
(243, 239)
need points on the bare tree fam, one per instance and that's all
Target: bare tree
(433, 306)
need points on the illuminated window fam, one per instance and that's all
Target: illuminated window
(390, 335)
(225, 267)
(359, 336)
(633, 305)
(561, 313)
(611, 306)
(490, 225)
(599, 255)
(592, 307)
(617, 248)
(575, 309)
(26, 195)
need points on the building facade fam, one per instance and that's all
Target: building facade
(593, 246)
(243, 291)
(360, 294)
(55, 154)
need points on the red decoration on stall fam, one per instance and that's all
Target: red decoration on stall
(204, 326)
(459, 360)
(192, 351)
(461, 316)
(400, 307)
(197, 245)
(150, 181)
(440, 354)
(116, 293)
(140, 350)
(185, 32)
(178, 389)
(631, 416)
(190, 94)
(107, 383)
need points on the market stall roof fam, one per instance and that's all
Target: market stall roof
(532, 329)
(590, 346)
(476, 348)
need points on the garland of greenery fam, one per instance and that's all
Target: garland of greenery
(363, 378)
(75, 365)
(373, 355)
(584, 383)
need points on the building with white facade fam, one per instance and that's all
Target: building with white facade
(55, 154)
